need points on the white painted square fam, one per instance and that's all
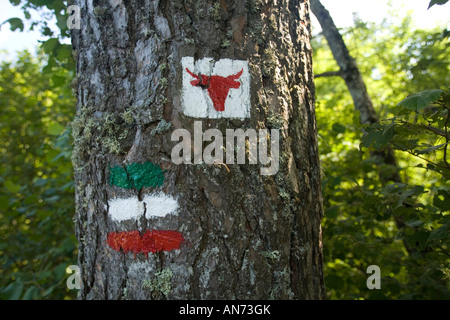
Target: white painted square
(197, 102)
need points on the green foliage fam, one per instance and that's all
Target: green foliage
(49, 8)
(36, 201)
(433, 2)
(15, 24)
(403, 227)
(419, 101)
(59, 53)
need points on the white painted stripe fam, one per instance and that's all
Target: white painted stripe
(159, 205)
(125, 209)
(156, 206)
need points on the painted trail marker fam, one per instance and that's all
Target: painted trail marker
(215, 89)
(125, 209)
(159, 205)
(154, 205)
(150, 242)
(136, 175)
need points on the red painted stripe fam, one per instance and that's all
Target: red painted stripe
(151, 241)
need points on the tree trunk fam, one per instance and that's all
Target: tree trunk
(353, 79)
(348, 69)
(150, 228)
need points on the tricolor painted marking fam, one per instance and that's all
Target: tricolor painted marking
(150, 242)
(154, 205)
(215, 89)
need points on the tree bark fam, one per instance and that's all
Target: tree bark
(245, 235)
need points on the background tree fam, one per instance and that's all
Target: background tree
(367, 214)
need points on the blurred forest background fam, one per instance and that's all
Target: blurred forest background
(402, 225)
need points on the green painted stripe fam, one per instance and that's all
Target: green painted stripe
(137, 175)
(118, 177)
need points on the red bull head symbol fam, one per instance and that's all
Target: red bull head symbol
(217, 86)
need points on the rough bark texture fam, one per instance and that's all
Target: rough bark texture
(248, 236)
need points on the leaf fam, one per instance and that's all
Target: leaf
(15, 2)
(419, 238)
(13, 291)
(441, 233)
(52, 199)
(40, 182)
(335, 281)
(46, 31)
(394, 188)
(386, 136)
(60, 271)
(68, 245)
(30, 294)
(439, 2)
(430, 149)
(11, 186)
(414, 223)
(415, 191)
(337, 127)
(50, 45)
(15, 24)
(55, 129)
(49, 291)
(444, 203)
(369, 137)
(3, 204)
(332, 212)
(418, 101)
(406, 144)
(43, 274)
(64, 52)
(58, 81)
(378, 136)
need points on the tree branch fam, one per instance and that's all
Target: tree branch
(329, 74)
(435, 130)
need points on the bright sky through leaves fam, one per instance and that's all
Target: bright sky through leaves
(341, 11)
(368, 10)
